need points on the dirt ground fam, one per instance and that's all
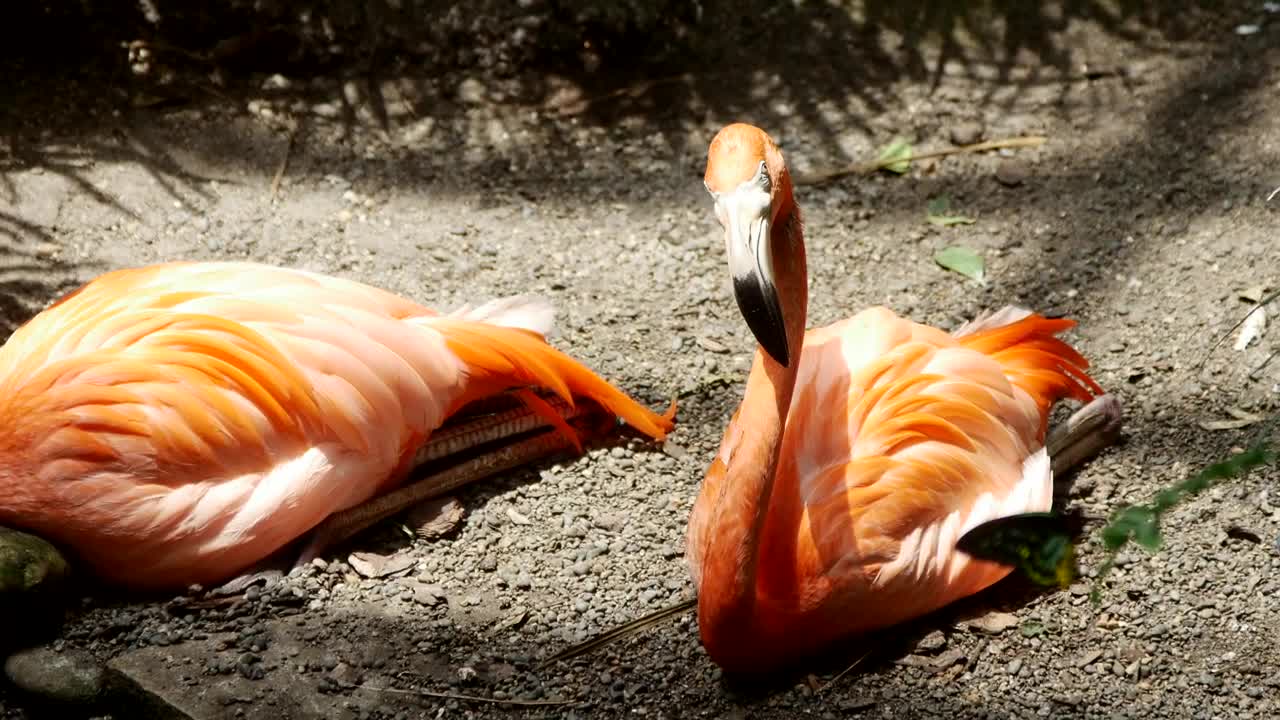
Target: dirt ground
(460, 178)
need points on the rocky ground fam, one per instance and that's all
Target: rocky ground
(1144, 216)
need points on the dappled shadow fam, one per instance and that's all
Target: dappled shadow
(32, 271)
(825, 65)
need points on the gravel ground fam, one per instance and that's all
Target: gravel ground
(1144, 216)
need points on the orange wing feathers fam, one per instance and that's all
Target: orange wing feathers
(177, 423)
(899, 438)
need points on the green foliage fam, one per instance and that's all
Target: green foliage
(1039, 544)
(962, 260)
(1140, 524)
(896, 156)
(938, 212)
(1036, 543)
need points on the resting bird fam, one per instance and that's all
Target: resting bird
(862, 450)
(181, 423)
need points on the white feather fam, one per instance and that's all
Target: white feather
(527, 312)
(1006, 315)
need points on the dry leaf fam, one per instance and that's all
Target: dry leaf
(435, 518)
(993, 623)
(1253, 327)
(513, 620)
(372, 565)
(1253, 294)
(710, 345)
(1242, 419)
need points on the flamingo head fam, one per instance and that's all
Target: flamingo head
(748, 180)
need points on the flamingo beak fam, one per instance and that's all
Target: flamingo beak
(745, 214)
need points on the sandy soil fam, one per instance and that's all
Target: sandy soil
(480, 172)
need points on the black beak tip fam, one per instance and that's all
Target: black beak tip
(778, 351)
(759, 307)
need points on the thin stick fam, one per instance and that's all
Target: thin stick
(867, 168)
(625, 630)
(1264, 301)
(458, 696)
(844, 672)
(284, 164)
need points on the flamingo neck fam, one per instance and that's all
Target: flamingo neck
(728, 588)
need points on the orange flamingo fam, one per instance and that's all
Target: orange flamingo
(181, 423)
(862, 450)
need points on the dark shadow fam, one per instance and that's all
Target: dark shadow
(663, 63)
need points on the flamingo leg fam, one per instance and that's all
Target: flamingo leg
(342, 525)
(1088, 431)
(483, 423)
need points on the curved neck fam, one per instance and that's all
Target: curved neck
(739, 517)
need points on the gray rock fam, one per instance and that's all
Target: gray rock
(967, 133)
(28, 564)
(68, 677)
(1012, 172)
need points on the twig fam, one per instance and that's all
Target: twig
(609, 637)
(1254, 375)
(1264, 301)
(1273, 194)
(284, 164)
(844, 672)
(866, 168)
(457, 696)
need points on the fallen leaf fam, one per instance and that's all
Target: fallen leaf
(436, 517)
(517, 518)
(962, 260)
(993, 623)
(1253, 294)
(947, 659)
(1253, 327)
(710, 345)
(514, 620)
(1088, 658)
(372, 565)
(914, 661)
(896, 156)
(1242, 419)
(938, 211)
(1031, 628)
(428, 594)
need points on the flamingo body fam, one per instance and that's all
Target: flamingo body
(176, 424)
(862, 450)
(899, 439)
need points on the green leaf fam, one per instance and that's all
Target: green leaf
(1038, 544)
(1141, 523)
(937, 213)
(962, 260)
(1031, 628)
(896, 156)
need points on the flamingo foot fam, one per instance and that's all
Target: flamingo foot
(1088, 431)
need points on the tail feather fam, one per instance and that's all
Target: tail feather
(1034, 358)
(500, 358)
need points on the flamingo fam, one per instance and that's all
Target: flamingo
(863, 450)
(181, 423)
